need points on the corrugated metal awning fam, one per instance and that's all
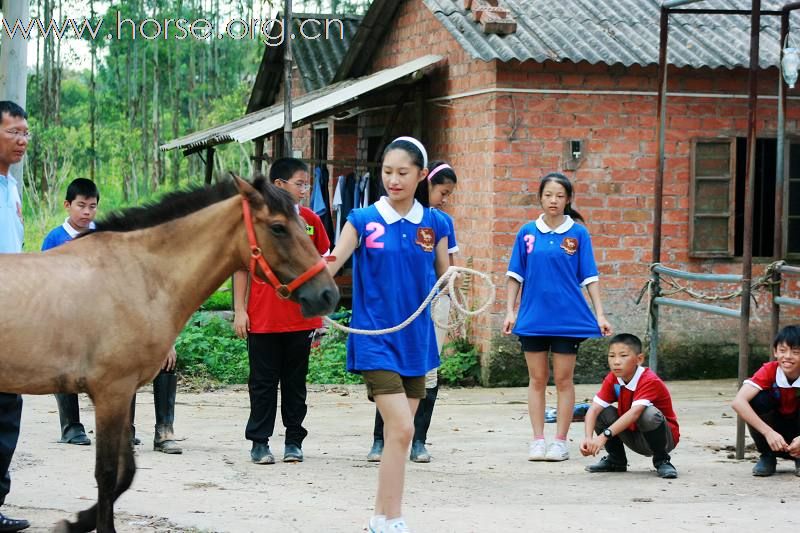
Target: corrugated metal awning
(269, 120)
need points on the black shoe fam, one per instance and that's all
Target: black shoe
(607, 464)
(666, 470)
(765, 466)
(12, 524)
(797, 467)
(292, 453)
(374, 455)
(261, 455)
(418, 452)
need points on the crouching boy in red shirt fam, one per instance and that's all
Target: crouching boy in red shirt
(768, 403)
(643, 419)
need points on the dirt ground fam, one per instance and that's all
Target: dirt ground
(479, 479)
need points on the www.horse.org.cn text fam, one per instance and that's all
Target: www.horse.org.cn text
(270, 31)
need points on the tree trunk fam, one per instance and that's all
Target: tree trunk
(14, 62)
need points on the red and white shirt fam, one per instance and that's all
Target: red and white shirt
(771, 377)
(645, 388)
(270, 314)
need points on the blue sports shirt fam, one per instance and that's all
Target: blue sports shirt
(393, 266)
(553, 266)
(452, 245)
(60, 235)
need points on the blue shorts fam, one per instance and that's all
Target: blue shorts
(565, 345)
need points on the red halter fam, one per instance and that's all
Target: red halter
(256, 257)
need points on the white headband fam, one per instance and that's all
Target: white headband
(418, 144)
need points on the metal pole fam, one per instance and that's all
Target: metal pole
(287, 78)
(676, 3)
(747, 253)
(780, 172)
(659, 184)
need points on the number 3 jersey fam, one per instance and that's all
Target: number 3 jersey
(393, 269)
(553, 265)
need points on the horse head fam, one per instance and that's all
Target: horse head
(291, 263)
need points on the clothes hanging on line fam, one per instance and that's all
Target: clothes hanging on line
(320, 201)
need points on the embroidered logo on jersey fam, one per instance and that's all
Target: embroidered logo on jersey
(425, 238)
(569, 245)
(310, 229)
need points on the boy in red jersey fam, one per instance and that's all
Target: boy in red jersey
(768, 403)
(643, 419)
(278, 337)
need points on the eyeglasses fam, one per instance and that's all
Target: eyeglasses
(19, 134)
(303, 186)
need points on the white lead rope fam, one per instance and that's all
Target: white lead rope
(447, 281)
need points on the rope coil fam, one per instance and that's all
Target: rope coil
(447, 284)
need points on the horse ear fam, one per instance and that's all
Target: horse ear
(253, 196)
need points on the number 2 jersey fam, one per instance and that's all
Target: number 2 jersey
(393, 272)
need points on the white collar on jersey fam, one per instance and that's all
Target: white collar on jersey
(72, 232)
(782, 381)
(542, 226)
(631, 385)
(390, 216)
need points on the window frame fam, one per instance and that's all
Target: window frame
(731, 213)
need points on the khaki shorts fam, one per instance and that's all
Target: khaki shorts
(387, 382)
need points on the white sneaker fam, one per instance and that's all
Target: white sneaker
(557, 451)
(537, 450)
(396, 526)
(377, 524)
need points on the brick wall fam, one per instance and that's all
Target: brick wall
(614, 183)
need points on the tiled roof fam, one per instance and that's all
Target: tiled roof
(317, 60)
(616, 31)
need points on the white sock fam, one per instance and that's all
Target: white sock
(377, 522)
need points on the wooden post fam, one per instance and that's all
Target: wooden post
(258, 153)
(209, 164)
(287, 78)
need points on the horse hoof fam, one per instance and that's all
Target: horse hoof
(62, 526)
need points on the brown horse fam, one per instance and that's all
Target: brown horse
(98, 314)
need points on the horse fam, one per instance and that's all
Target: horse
(98, 314)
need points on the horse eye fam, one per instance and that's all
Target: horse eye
(279, 230)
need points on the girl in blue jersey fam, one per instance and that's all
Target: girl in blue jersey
(398, 248)
(433, 192)
(553, 260)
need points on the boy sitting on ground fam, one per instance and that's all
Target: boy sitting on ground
(768, 403)
(643, 419)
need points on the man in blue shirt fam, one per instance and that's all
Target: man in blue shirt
(14, 137)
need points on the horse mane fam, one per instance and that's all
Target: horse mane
(179, 204)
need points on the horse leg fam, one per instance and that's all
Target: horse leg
(114, 470)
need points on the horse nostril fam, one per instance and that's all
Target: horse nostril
(330, 297)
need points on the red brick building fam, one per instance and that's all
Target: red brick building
(573, 89)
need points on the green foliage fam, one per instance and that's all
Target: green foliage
(327, 364)
(460, 363)
(207, 347)
(220, 300)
